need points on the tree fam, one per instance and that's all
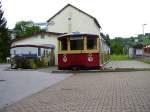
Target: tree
(4, 37)
(106, 38)
(117, 45)
(25, 28)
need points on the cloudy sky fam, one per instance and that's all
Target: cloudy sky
(117, 17)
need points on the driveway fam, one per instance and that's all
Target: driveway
(127, 64)
(15, 85)
(91, 92)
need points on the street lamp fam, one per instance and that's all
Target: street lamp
(143, 28)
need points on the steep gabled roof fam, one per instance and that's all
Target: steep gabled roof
(95, 20)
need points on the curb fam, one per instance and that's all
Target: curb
(104, 70)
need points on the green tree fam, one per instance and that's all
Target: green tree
(106, 38)
(4, 37)
(117, 45)
(25, 28)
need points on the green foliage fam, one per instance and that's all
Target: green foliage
(146, 61)
(4, 37)
(26, 28)
(28, 62)
(106, 38)
(119, 57)
(120, 45)
(117, 46)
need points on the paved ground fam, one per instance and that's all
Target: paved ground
(97, 92)
(15, 85)
(127, 64)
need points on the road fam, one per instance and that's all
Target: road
(91, 92)
(16, 85)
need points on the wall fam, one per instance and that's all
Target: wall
(79, 22)
(139, 52)
(131, 52)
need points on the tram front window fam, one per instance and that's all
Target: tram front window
(63, 44)
(91, 43)
(76, 43)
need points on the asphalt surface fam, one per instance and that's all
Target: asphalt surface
(15, 85)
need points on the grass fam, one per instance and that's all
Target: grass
(119, 57)
(145, 61)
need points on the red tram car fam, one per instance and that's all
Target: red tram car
(82, 51)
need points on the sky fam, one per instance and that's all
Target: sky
(118, 18)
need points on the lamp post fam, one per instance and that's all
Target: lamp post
(143, 28)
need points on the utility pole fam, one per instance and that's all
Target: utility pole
(143, 28)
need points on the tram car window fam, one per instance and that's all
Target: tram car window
(91, 43)
(76, 43)
(63, 43)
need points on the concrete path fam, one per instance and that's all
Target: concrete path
(127, 64)
(15, 85)
(92, 92)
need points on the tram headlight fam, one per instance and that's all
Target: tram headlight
(90, 58)
(64, 58)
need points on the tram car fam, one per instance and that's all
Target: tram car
(82, 51)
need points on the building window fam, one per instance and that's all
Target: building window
(76, 43)
(39, 51)
(64, 44)
(45, 53)
(91, 43)
(14, 52)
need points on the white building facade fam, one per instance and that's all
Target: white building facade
(71, 19)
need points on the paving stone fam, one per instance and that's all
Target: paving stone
(87, 92)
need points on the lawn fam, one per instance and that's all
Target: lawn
(119, 57)
(145, 61)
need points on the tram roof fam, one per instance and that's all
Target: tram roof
(77, 34)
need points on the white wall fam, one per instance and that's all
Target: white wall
(131, 52)
(139, 52)
(79, 23)
(37, 40)
(104, 47)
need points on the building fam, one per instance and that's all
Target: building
(36, 45)
(136, 51)
(71, 19)
(68, 19)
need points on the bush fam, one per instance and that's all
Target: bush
(28, 62)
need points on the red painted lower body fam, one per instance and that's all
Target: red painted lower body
(80, 61)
